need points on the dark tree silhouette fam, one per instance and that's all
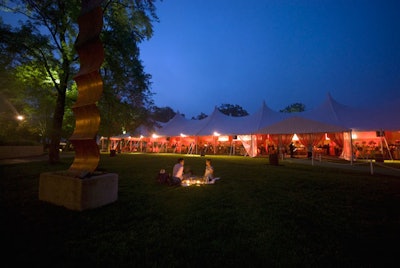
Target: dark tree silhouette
(232, 110)
(294, 108)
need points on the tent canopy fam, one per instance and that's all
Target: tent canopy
(330, 116)
(301, 125)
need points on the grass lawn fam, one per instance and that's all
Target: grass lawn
(257, 215)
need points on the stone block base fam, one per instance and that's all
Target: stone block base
(79, 194)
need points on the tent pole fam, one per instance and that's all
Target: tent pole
(312, 154)
(351, 147)
(251, 145)
(196, 141)
(387, 146)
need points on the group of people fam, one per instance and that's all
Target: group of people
(178, 172)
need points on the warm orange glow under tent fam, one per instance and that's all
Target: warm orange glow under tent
(330, 129)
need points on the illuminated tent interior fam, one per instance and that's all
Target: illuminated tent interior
(331, 128)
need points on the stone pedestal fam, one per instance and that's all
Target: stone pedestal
(62, 189)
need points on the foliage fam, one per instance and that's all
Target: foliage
(162, 114)
(13, 102)
(257, 215)
(39, 98)
(47, 37)
(127, 101)
(232, 110)
(200, 116)
(294, 108)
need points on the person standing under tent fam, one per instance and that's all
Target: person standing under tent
(291, 149)
(309, 151)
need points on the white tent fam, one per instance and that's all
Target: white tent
(329, 117)
(332, 112)
(220, 123)
(176, 126)
(374, 117)
(264, 117)
(301, 125)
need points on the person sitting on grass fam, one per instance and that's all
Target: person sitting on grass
(209, 173)
(177, 172)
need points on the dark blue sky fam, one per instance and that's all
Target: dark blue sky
(208, 52)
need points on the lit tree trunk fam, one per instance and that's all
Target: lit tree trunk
(54, 153)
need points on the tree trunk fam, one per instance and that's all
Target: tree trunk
(54, 153)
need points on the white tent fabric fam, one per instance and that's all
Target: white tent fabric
(301, 125)
(334, 113)
(381, 117)
(249, 143)
(223, 124)
(329, 117)
(265, 116)
(175, 127)
(374, 117)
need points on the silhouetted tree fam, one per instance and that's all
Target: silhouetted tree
(232, 110)
(162, 114)
(294, 108)
(200, 116)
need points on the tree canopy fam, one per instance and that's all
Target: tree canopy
(45, 41)
(232, 110)
(294, 108)
(162, 114)
(200, 116)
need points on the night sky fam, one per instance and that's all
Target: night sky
(208, 52)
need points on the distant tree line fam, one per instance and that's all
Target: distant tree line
(167, 113)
